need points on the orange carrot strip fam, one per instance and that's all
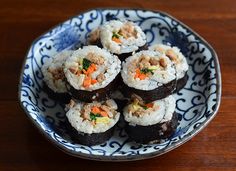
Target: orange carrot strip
(116, 40)
(87, 81)
(142, 76)
(149, 105)
(93, 81)
(91, 69)
(94, 67)
(95, 109)
(137, 73)
(103, 113)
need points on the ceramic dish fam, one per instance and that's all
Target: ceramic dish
(197, 103)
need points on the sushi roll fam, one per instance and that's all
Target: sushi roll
(54, 78)
(150, 122)
(91, 73)
(121, 38)
(93, 123)
(179, 60)
(149, 75)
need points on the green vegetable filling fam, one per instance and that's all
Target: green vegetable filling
(146, 70)
(145, 107)
(86, 63)
(94, 116)
(116, 35)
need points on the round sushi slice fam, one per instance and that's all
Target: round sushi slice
(54, 78)
(179, 60)
(120, 37)
(150, 122)
(148, 74)
(91, 73)
(93, 123)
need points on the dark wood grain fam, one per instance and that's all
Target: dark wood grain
(23, 148)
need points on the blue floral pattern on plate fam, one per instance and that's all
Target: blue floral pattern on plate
(197, 103)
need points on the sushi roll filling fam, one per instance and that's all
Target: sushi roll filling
(127, 31)
(121, 37)
(86, 68)
(91, 68)
(137, 107)
(146, 66)
(92, 117)
(57, 73)
(99, 115)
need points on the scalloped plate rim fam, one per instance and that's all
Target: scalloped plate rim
(189, 136)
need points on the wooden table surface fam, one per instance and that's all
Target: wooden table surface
(23, 148)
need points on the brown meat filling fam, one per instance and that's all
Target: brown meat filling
(96, 59)
(57, 73)
(172, 55)
(145, 62)
(128, 31)
(101, 77)
(94, 36)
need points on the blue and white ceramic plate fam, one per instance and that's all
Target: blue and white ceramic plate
(197, 103)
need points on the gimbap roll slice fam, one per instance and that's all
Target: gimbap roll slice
(149, 75)
(150, 122)
(120, 37)
(91, 73)
(179, 60)
(54, 78)
(93, 123)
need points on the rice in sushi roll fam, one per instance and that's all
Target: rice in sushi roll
(119, 37)
(150, 122)
(54, 78)
(149, 75)
(179, 60)
(91, 73)
(93, 123)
